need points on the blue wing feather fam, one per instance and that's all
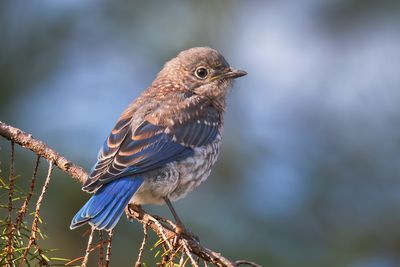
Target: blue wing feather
(130, 151)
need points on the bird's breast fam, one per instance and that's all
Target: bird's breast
(178, 178)
(194, 170)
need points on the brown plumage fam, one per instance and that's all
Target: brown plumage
(166, 140)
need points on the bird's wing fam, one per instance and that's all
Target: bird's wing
(130, 150)
(198, 127)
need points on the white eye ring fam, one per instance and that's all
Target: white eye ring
(201, 72)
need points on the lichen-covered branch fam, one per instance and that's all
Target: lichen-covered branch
(161, 226)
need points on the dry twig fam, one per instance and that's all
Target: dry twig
(24, 207)
(88, 250)
(10, 230)
(108, 251)
(32, 238)
(101, 248)
(141, 250)
(161, 226)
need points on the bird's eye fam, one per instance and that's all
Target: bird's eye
(201, 73)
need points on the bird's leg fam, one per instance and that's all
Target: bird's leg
(180, 227)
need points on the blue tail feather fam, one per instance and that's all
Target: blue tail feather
(105, 207)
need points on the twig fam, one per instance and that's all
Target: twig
(34, 229)
(182, 260)
(86, 258)
(10, 229)
(73, 261)
(40, 252)
(11, 179)
(194, 263)
(101, 249)
(39, 148)
(16, 226)
(141, 250)
(108, 252)
(24, 207)
(93, 248)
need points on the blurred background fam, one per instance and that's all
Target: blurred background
(309, 173)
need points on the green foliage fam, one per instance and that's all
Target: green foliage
(18, 243)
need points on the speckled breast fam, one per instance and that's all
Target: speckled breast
(178, 178)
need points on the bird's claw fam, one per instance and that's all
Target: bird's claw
(182, 231)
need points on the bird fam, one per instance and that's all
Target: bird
(165, 142)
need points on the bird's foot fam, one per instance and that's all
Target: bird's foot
(135, 210)
(182, 231)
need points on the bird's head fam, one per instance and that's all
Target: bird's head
(200, 70)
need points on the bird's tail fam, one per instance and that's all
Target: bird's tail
(105, 207)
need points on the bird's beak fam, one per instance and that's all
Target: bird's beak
(233, 73)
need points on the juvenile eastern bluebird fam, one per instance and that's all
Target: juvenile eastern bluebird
(165, 142)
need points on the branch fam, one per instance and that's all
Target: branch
(167, 235)
(39, 148)
(161, 226)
